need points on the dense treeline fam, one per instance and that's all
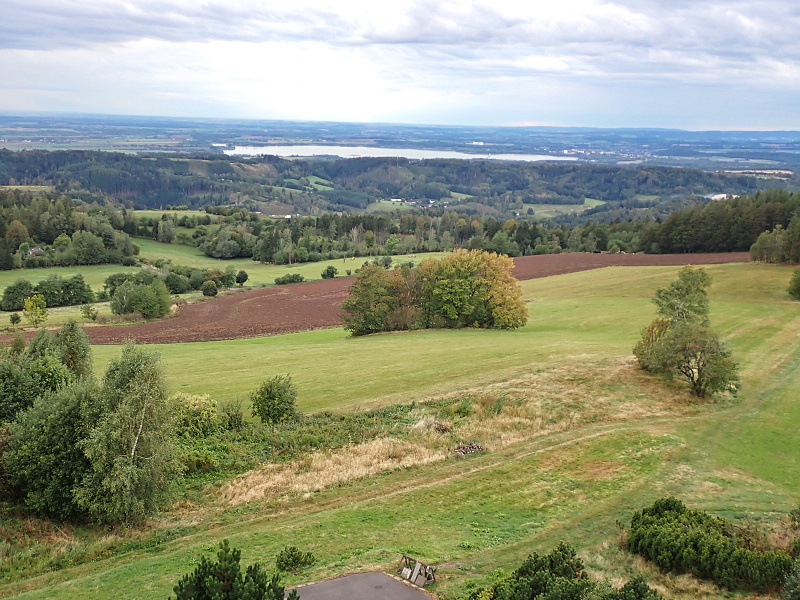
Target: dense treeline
(681, 540)
(55, 290)
(727, 226)
(721, 226)
(45, 230)
(306, 186)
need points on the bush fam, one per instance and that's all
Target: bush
(232, 416)
(329, 272)
(14, 318)
(794, 285)
(89, 312)
(152, 301)
(177, 284)
(14, 295)
(35, 310)
(560, 574)
(223, 579)
(291, 560)
(274, 400)
(289, 278)
(680, 540)
(791, 584)
(209, 288)
(194, 415)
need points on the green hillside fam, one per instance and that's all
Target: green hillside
(576, 439)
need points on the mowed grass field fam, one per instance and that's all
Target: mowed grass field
(577, 440)
(547, 211)
(94, 275)
(260, 274)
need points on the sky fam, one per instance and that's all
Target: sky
(697, 65)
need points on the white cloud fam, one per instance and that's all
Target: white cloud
(485, 61)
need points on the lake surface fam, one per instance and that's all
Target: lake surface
(367, 151)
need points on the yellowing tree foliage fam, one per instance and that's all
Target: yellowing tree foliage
(469, 288)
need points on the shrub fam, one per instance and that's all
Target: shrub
(794, 285)
(242, 277)
(329, 272)
(14, 318)
(289, 278)
(680, 540)
(194, 415)
(560, 574)
(89, 312)
(232, 416)
(223, 579)
(791, 584)
(209, 288)
(274, 400)
(177, 284)
(35, 310)
(14, 295)
(291, 560)
(152, 301)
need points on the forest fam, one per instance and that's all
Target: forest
(275, 185)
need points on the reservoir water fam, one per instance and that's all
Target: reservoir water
(366, 151)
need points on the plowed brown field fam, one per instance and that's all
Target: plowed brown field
(317, 304)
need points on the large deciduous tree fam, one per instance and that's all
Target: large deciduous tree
(130, 449)
(686, 298)
(74, 349)
(679, 342)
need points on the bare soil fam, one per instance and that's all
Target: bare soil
(317, 304)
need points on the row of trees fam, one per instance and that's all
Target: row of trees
(729, 225)
(680, 540)
(46, 230)
(468, 288)
(55, 290)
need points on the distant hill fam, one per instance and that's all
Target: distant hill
(273, 185)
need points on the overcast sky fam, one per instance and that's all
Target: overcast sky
(690, 64)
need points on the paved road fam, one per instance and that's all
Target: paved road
(361, 586)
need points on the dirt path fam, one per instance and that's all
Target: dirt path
(317, 304)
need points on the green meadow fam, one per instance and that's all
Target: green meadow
(547, 211)
(577, 439)
(94, 275)
(260, 274)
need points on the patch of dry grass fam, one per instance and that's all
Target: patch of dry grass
(583, 390)
(321, 470)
